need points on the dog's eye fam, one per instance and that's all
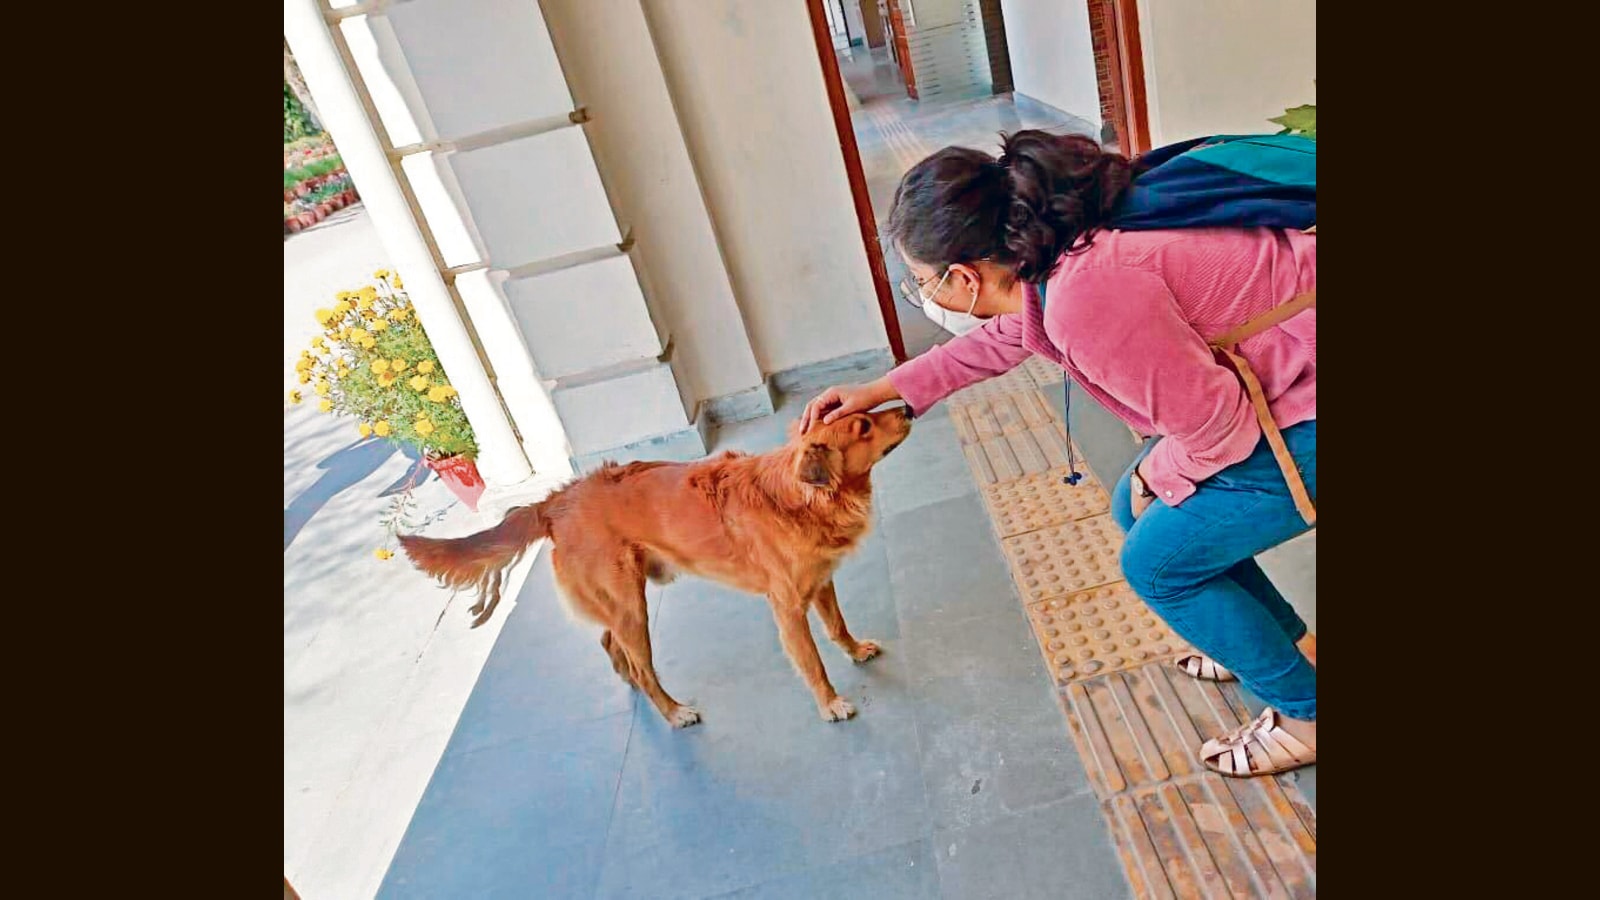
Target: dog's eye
(864, 427)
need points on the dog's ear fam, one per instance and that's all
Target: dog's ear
(817, 464)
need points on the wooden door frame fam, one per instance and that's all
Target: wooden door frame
(1131, 113)
(857, 177)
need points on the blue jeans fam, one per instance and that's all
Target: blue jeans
(1194, 564)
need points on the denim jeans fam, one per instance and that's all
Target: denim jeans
(1194, 564)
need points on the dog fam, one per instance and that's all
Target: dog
(775, 524)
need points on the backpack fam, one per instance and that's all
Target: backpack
(1245, 181)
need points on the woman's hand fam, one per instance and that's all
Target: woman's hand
(842, 400)
(1137, 499)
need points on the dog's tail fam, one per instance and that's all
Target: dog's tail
(480, 560)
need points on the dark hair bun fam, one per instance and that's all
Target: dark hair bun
(1044, 196)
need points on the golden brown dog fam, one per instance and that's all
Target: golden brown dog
(776, 524)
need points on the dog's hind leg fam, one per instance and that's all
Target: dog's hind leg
(631, 630)
(827, 604)
(619, 659)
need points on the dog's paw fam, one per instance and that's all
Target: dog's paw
(866, 650)
(837, 711)
(684, 716)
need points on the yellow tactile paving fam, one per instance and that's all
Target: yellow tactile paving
(1043, 499)
(1099, 631)
(1180, 830)
(1066, 558)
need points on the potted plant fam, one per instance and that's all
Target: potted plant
(374, 363)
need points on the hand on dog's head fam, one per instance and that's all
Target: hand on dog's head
(845, 450)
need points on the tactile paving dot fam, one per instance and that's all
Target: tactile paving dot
(1100, 630)
(1043, 371)
(1038, 501)
(1015, 381)
(1065, 558)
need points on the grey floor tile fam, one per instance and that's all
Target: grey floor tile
(926, 469)
(521, 819)
(763, 787)
(945, 564)
(994, 740)
(1056, 852)
(906, 872)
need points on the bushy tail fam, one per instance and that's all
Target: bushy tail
(479, 560)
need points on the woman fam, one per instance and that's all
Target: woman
(1128, 315)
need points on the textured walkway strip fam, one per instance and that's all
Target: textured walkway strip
(1180, 830)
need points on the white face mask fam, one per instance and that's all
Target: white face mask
(957, 323)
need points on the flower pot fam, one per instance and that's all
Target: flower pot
(460, 475)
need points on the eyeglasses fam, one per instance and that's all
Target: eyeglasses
(911, 289)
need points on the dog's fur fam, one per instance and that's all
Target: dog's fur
(776, 524)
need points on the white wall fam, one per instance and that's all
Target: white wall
(1052, 54)
(747, 86)
(1224, 66)
(610, 63)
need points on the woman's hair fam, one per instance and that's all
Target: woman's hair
(1045, 195)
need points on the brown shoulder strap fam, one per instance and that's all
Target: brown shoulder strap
(1266, 320)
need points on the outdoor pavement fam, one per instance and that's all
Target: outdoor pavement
(373, 679)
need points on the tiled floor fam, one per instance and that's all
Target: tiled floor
(975, 767)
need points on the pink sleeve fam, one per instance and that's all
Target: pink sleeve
(994, 349)
(1131, 340)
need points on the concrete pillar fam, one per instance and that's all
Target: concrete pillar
(561, 284)
(501, 459)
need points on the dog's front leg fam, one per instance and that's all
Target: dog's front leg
(827, 604)
(789, 610)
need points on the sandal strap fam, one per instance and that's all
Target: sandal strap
(1278, 749)
(1199, 665)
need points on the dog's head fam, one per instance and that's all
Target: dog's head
(844, 451)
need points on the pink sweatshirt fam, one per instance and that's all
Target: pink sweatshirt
(1129, 320)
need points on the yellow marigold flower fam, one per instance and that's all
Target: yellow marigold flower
(358, 335)
(425, 367)
(397, 284)
(419, 382)
(343, 295)
(398, 364)
(319, 343)
(363, 301)
(302, 364)
(369, 343)
(386, 379)
(380, 366)
(381, 553)
(325, 406)
(368, 293)
(380, 324)
(364, 429)
(424, 427)
(324, 316)
(322, 388)
(437, 394)
(294, 397)
(402, 314)
(342, 307)
(450, 392)
(305, 377)
(381, 273)
(343, 371)
(381, 429)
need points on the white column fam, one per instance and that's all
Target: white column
(501, 458)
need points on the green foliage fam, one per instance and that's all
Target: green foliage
(1300, 120)
(296, 121)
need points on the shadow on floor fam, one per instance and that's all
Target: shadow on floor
(341, 470)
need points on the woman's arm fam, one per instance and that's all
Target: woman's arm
(994, 349)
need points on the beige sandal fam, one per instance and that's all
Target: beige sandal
(1203, 667)
(1259, 747)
